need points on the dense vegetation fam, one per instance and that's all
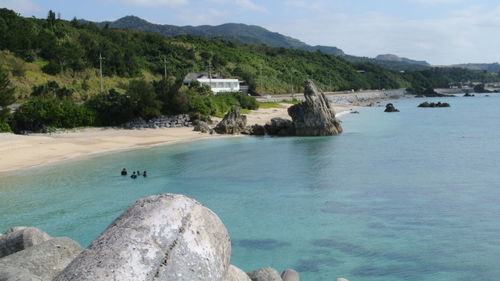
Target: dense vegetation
(54, 63)
(6, 98)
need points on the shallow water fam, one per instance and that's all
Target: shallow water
(401, 196)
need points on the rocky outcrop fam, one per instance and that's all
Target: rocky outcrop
(19, 238)
(202, 127)
(265, 274)
(163, 237)
(433, 104)
(314, 116)
(290, 275)
(236, 274)
(43, 261)
(390, 108)
(233, 123)
(280, 127)
(257, 130)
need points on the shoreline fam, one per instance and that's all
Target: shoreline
(20, 152)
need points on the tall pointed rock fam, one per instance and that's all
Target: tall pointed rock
(314, 116)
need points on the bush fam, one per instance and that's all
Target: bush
(52, 68)
(40, 113)
(201, 105)
(5, 128)
(247, 102)
(111, 109)
(51, 89)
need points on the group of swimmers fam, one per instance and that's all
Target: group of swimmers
(134, 174)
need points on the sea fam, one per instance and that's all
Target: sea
(406, 196)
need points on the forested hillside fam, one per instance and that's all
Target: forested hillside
(53, 64)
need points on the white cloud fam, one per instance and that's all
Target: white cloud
(153, 3)
(244, 4)
(462, 36)
(20, 6)
(303, 4)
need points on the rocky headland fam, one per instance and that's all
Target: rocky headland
(165, 237)
(313, 117)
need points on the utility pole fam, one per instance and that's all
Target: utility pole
(101, 58)
(210, 73)
(165, 68)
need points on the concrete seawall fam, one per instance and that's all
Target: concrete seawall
(343, 98)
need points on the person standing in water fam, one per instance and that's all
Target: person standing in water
(145, 174)
(134, 176)
(124, 172)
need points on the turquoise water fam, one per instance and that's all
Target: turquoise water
(404, 196)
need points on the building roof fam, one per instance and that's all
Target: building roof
(201, 75)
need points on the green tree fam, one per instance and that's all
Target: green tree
(143, 99)
(51, 19)
(6, 98)
(112, 109)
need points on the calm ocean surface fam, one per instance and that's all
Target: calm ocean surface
(405, 196)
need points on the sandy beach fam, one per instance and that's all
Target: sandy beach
(20, 151)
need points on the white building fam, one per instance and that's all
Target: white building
(216, 82)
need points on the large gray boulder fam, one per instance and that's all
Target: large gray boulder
(314, 116)
(290, 275)
(201, 127)
(19, 238)
(265, 274)
(44, 260)
(233, 123)
(280, 127)
(163, 237)
(11, 273)
(236, 274)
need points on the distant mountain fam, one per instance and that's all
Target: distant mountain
(254, 35)
(394, 58)
(236, 32)
(392, 65)
(490, 67)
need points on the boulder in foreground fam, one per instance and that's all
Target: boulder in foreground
(43, 261)
(290, 275)
(162, 237)
(265, 274)
(314, 116)
(236, 274)
(19, 238)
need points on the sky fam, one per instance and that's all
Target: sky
(441, 32)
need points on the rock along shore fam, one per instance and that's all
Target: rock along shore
(165, 237)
